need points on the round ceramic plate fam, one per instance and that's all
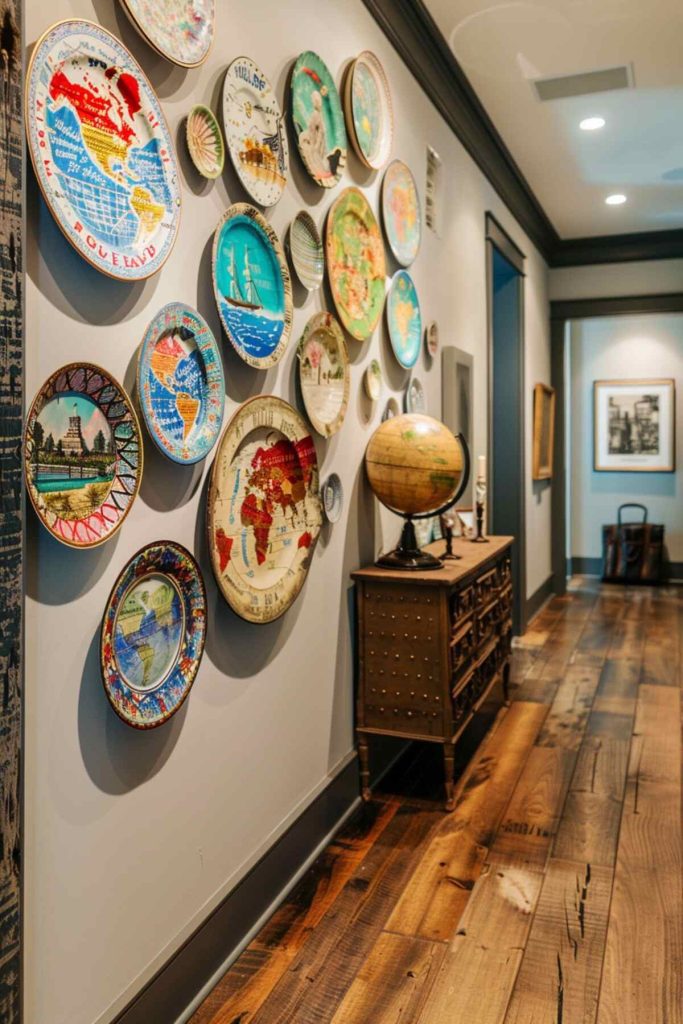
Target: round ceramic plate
(153, 634)
(306, 250)
(180, 30)
(252, 285)
(355, 263)
(368, 109)
(404, 319)
(101, 150)
(82, 455)
(180, 383)
(432, 339)
(372, 380)
(392, 409)
(324, 373)
(255, 131)
(332, 495)
(318, 120)
(264, 512)
(401, 212)
(205, 142)
(415, 400)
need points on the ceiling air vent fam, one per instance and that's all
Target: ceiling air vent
(562, 86)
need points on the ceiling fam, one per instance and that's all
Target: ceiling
(503, 47)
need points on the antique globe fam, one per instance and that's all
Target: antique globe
(417, 468)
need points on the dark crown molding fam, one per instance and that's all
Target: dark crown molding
(416, 37)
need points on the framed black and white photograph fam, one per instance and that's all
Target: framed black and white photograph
(634, 424)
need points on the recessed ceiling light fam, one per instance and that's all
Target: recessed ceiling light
(591, 124)
(616, 200)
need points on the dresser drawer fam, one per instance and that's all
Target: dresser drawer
(392, 716)
(463, 645)
(487, 586)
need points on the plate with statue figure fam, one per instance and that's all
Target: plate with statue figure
(180, 30)
(180, 384)
(318, 119)
(252, 286)
(102, 151)
(264, 511)
(153, 634)
(255, 131)
(82, 455)
(324, 373)
(401, 212)
(368, 109)
(356, 266)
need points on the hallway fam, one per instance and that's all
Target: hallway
(551, 895)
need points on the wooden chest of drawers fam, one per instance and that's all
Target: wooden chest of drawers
(431, 645)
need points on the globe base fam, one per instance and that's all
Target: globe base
(408, 555)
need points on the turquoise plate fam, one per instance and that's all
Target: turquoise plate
(318, 120)
(404, 319)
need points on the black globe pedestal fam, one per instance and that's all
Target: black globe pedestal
(408, 555)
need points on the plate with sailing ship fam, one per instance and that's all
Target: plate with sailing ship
(252, 286)
(255, 131)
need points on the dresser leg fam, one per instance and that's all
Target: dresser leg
(364, 758)
(506, 683)
(449, 770)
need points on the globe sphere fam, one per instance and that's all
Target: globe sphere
(414, 464)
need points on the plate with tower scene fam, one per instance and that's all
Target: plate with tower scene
(180, 30)
(318, 119)
(401, 212)
(180, 383)
(368, 109)
(264, 510)
(252, 286)
(324, 373)
(153, 634)
(82, 455)
(101, 150)
(356, 266)
(255, 131)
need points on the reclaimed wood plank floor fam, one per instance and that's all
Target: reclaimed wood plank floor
(552, 894)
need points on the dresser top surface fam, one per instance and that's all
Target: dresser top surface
(473, 557)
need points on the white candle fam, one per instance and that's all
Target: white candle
(481, 470)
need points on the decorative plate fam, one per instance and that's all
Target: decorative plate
(368, 109)
(332, 495)
(252, 285)
(401, 212)
(415, 400)
(264, 512)
(180, 30)
(82, 455)
(355, 263)
(432, 339)
(101, 150)
(404, 319)
(318, 120)
(205, 142)
(306, 250)
(180, 383)
(324, 373)
(372, 380)
(391, 409)
(255, 131)
(153, 634)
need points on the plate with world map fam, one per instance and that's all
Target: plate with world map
(404, 319)
(101, 150)
(153, 634)
(355, 263)
(180, 383)
(401, 212)
(180, 30)
(264, 510)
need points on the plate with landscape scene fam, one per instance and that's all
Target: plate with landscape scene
(318, 119)
(82, 455)
(369, 111)
(205, 142)
(401, 212)
(324, 373)
(264, 511)
(252, 285)
(355, 263)
(101, 150)
(153, 634)
(255, 131)
(180, 30)
(306, 250)
(404, 319)
(180, 383)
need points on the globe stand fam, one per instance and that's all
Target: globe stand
(408, 555)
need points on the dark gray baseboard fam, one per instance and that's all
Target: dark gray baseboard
(538, 599)
(578, 565)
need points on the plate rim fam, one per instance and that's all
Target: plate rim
(323, 319)
(418, 206)
(207, 110)
(322, 183)
(329, 222)
(327, 483)
(368, 57)
(304, 214)
(403, 271)
(137, 25)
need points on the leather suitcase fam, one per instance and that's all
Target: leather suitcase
(632, 552)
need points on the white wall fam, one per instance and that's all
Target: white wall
(613, 348)
(131, 838)
(607, 280)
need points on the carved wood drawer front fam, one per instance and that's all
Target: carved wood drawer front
(505, 570)
(462, 647)
(462, 602)
(487, 585)
(486, 623)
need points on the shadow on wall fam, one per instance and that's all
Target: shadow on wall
(57, 574)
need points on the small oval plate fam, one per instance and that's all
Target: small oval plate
(306, 250)
(415, 400)
(205, 142)
(332, 494)
(372, 380)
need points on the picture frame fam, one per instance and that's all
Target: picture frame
(457, 399)
(634, 423)
(544, 431)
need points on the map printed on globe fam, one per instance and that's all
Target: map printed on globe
(102, 151)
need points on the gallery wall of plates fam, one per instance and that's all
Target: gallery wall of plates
(230, 282)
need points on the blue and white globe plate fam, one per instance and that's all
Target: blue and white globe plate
(252, 286)
(153, 634)
(180, 384)
(404, 319)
